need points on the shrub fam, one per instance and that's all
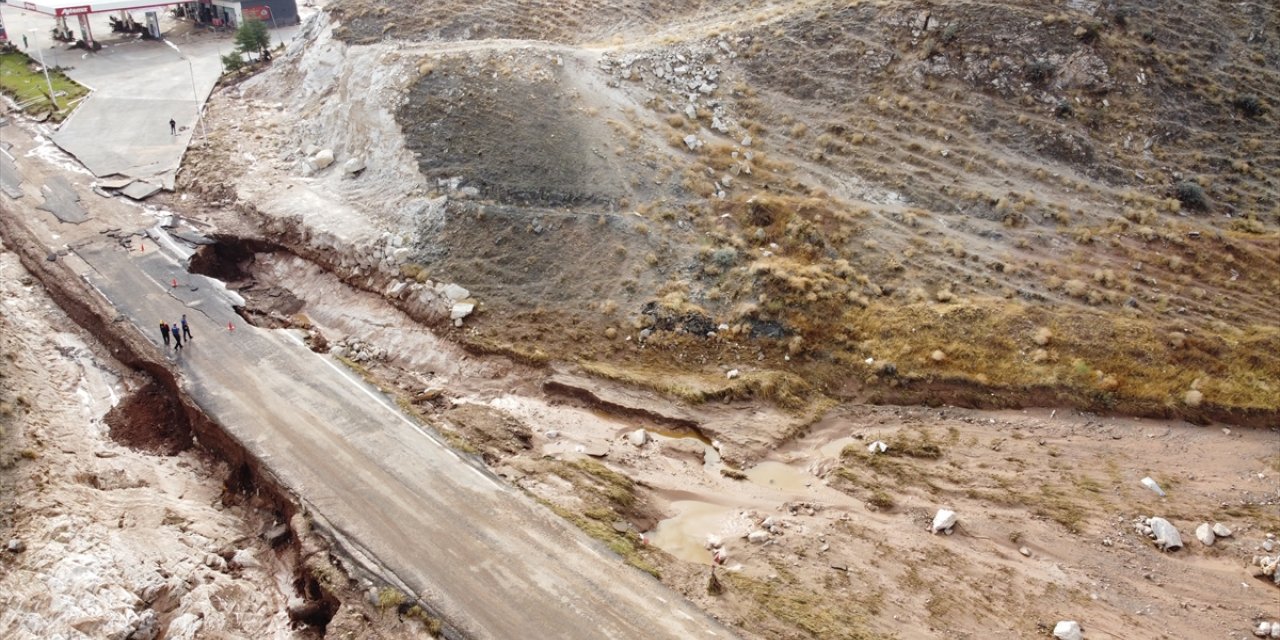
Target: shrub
(1249, 105)
(1191, 195)
(1039, 71)
(725, 257)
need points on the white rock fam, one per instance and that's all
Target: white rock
(1166, 535)
(714, 541)
(692, 142)
(638, 437)
(691, 112)
(943, 520)
(733, 373)
(552, 434)
(1152, 485)
(1221, 530)
(461, 310)
(1263, 630)
(353, 166)
(877, 447)
(1268, 545)
(16, 546)
(1275, 629)
(759, 536)
(1068, 630)
(746, 142)
(322, 159)
(454, 292)
(244, 558)
(1204, 533)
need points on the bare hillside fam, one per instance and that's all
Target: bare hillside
(750, 220)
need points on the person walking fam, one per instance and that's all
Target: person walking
(177, 337)
(186, 331)
(173, 127)
(24, 41)
(164, 332)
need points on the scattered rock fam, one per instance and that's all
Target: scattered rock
(692, 142)
(759, 536)
(638, 437)
(1267, 545)
(1024, 551)
(1163, 532)
(1068, 630)
(353, 166)
(1221, 530)
(552, 434)
(16, 546)
(244, 558)
(733, 373)
(454, 292)
(322, 159)
(877, 447)
(461, 310)
(1204, 533)
(1152, 485)
(943, 521)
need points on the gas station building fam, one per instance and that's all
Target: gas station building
(215, 13)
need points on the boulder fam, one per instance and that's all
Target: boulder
(1263, 630)
(638, 437)
(733, 373)
(877, 447)
(1165, 534)
(692, 142)
(1152, 485)
(16, 546)
(454, 292)
(353, 166)
(1204, 533)
(943, 521)
(244, 558)
(461, 310)
(759, 536)
(1068, 630)
(322, 159)
(1221, 530)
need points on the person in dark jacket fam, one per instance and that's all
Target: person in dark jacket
(164, 332)
(177, 337)
(186, 331)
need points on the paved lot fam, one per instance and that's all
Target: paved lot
(123, 127)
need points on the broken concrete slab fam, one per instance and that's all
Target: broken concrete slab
(140, 189)
(61, 199)
(193, 237)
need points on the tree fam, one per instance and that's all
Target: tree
(233, 61)
(253, 37)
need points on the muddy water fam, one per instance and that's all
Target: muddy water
(685, 535)
(780, 476)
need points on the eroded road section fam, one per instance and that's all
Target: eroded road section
(489, 560)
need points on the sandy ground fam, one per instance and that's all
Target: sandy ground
(116, 541)
(1046, 499)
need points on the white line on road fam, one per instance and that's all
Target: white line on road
(382, 402)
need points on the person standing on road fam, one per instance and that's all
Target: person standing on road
(24, 41)
(177, 337)
(164, 332)
(173, 127)
(186, 331)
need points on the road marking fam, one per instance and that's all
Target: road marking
(382, 402)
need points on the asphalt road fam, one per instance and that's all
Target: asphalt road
(495, 563)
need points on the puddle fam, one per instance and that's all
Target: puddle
(685, 534)
(779, 475)
(832, 449)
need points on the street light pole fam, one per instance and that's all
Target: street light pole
(204, 133)
(52, 98)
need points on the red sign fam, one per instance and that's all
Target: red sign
(260, 13)
(29, 7)
(73, 11)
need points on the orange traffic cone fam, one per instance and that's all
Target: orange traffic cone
(175, 283)
(141, 247)
(231, 327)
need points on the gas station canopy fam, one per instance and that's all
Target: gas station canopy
(62, 8)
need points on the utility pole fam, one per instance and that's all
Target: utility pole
(52, 98)
(194, 94)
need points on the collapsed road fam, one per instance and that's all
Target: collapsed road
(486, 559)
